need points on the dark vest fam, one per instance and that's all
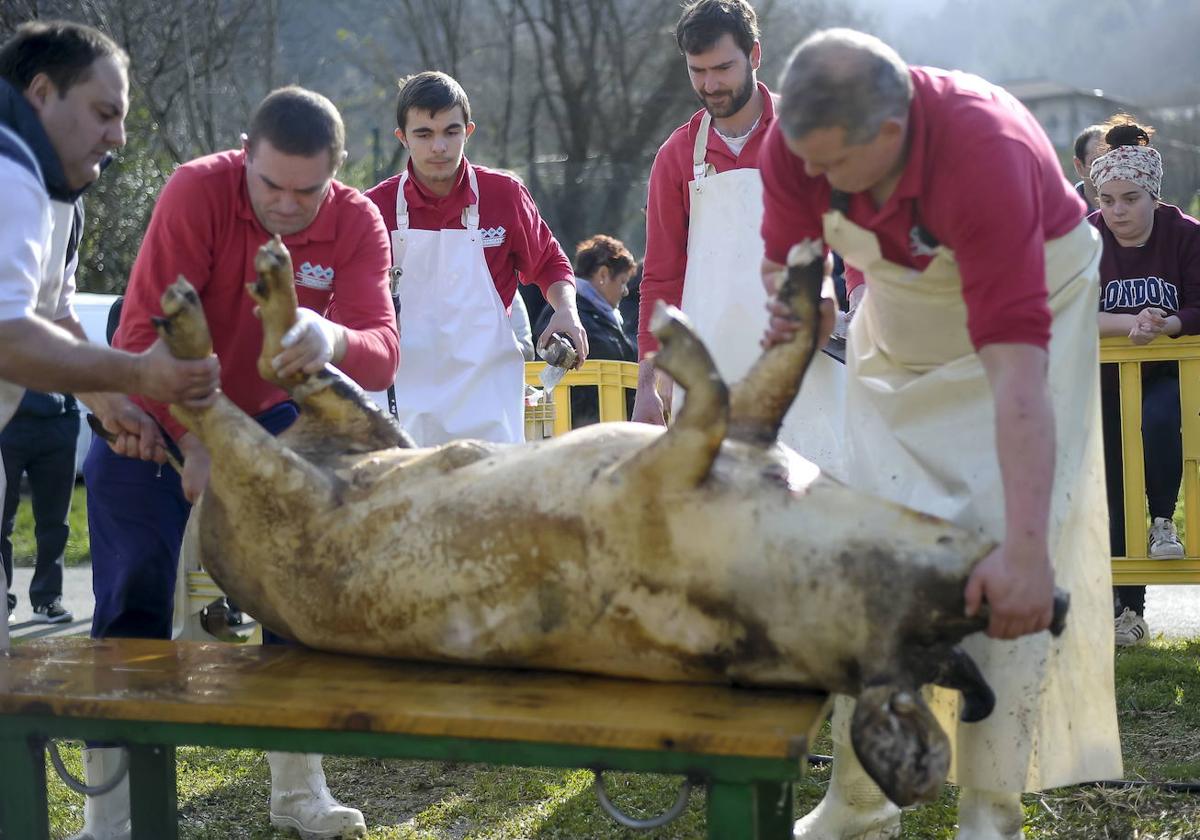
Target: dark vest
(32, 150)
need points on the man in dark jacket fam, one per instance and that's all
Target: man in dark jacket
(39, 442)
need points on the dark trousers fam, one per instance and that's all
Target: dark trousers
(1162, 446)
(42, 448)
(136, 515)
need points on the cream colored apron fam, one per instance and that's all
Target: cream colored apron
(922, 433)
(724, 299)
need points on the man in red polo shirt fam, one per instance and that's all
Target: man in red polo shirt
(211, 218)
(462, 235)
(973, 391)
(703, 246)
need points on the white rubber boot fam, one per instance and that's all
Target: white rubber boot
(105, 817)
(854, 808)
(989, 815)
(301, 801)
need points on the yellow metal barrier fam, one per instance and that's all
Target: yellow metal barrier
(1138, 567)
(610, 378)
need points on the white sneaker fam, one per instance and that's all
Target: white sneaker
(1131, 628)
(105, 817)
(1164, 541)
(301, 801)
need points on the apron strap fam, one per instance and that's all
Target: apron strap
(699, 166)
(471, 211)
(402, 206)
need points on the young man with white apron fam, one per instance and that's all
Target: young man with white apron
(972, 394)
(462, 235)
(703, 244)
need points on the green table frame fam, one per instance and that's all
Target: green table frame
(748, 798)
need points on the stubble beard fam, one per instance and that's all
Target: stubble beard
(737, 102)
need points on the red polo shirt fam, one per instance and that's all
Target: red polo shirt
(980, 176)
(669, 207)
(204, 228)
(520, 247)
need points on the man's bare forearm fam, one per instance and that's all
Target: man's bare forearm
(49, 356)
(1025, 443)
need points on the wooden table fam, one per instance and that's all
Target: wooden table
(746, 746)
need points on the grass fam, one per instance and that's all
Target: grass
(78, 551)
(222, 793)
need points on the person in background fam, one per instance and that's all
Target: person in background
(463, 236)
(1150, 287)
(704, 199)
(1088, 145)
(703, 239)
(40, 442)
(603, 269)
(518, 316)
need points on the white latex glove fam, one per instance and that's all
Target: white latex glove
(310, 344)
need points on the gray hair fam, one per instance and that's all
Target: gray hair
(840, 78)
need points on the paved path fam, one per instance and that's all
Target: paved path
(1173, 611)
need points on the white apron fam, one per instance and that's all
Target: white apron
(461, 372)
(922, 433)
(724, 299)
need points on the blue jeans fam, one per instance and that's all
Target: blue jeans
(42, 448)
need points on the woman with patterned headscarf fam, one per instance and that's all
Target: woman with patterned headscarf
(1150, 286)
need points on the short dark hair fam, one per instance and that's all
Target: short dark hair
(703, 22)
(65, 51)
(300, 122)
(431, 91)
(1092, 132)
(840, 78)
(601, 250)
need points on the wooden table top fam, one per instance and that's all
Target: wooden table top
(249, 685)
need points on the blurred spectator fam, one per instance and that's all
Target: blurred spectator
(1150, 286)
(518, 316)
(603, 268)
(1088, 146)
(40, 442)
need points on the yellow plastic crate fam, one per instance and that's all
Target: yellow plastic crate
(610, 378)
(539, 421)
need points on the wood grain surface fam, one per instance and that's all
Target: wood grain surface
(242, 685)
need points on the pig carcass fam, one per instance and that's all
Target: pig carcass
(703, 552)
